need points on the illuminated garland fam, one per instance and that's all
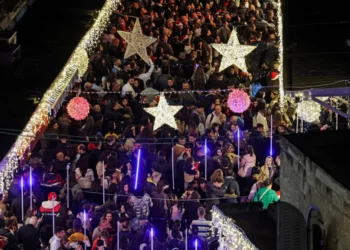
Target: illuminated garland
(280, 33)
(81, 60)
(78, 62)
(233, 236)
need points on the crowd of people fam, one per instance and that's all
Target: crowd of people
(214, 156)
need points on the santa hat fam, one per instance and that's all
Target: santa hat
(52, 196)
(274, 75)
(156, 99)
(178, 23)
(91, 146)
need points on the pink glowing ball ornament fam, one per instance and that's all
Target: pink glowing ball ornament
(238, 101)
(78, 108)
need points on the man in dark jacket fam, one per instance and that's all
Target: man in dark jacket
(12, 239)
(211, 164)
(215, 191)
(29, 235)
(166, 169)
(113, 114)
(231, 185)
(16, 205)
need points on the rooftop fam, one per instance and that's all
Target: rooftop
(328, 150)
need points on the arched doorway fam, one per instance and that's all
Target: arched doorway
(316, 233)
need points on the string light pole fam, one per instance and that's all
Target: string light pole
(53, 215)
(271, 140)
(173, 166)
(238, 150)
(67, 169)
(152, 234)
(84, 218)
(118, 236)
(137, 168)
(103, 183)
(22, 198)
(30, 187)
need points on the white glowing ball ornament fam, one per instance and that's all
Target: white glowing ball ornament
(309, 111)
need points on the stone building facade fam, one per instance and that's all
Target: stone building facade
(324, 203)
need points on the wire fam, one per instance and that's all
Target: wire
(317, 24)
(346, 81)
(97, 141)
(56, 136)
(165, 199)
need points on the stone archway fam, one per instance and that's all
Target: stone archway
(316, 233)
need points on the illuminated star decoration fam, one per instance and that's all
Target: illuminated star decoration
(233, 52)
(163, 113)
(137, 42)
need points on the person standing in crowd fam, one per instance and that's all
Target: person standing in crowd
(55, 241)
(28, 235)
(266, 195)
(9, 231)
(203, 225)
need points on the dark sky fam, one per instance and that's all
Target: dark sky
(316, 26)
(48, 36)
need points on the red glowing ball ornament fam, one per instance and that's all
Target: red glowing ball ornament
(78, 108)
(238, 101)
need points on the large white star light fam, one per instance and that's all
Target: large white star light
(233, 52)
(137, 42)
(163, 113)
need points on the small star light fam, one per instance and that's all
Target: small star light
(137, 42)
(233, 52)
(163, 113)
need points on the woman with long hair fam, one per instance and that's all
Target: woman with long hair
(102, 161)
(218, 156)
(217, 173)
(191, 207)
(231, 132)
(129, 132)
(268, 169)
(29, 214)
(199, 78)
(248, 161)
(229, 153)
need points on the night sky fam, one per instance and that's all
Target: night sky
(50, 30)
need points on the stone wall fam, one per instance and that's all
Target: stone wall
(304, 184)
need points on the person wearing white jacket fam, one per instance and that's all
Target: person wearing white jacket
(55, 241)
(260, 118)
(145, 76)
(129, 88)
(84, 177)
